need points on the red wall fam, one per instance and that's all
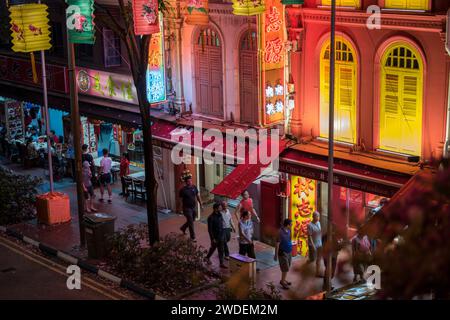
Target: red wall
(306, 72)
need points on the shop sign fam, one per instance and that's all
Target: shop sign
(273, 48)
(20, 71)
(118, 87)
(302, 206)
(156, 80)
(339, 179)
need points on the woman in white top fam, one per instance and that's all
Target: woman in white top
(105, 175)
(315, 241)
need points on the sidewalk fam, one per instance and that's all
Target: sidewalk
(65, 237)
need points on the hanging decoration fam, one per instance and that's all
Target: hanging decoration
(145, 16)
(197, 12)
(248, 7)
(80, 21)
(29, 26)
(291, 2)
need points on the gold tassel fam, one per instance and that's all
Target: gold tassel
(33, 68)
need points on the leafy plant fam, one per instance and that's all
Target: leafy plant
(171, 266)
(226, 292)
(17, 196)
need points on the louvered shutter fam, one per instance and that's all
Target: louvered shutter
(411, 124)
(345, 111)
(390, 115)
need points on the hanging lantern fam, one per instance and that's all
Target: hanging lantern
(80, 21)
(29, 26)
(197, 12)
(145, 15)
(248, 7)
(290, 2)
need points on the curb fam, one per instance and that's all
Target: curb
(82, 264)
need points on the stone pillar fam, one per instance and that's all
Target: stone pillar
(175, 22)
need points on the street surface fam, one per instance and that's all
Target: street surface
(25, 274)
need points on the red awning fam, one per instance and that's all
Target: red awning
(388, 222)
(244, 174)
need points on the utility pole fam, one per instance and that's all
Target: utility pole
(75, 118)
(330, 239)
(47, 120)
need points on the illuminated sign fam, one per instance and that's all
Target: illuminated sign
(156, 80)
(272, 64)
(107, 85)
(303, 198)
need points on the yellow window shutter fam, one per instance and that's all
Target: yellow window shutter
(389, 115)
(345, 106)
(324, 98)
(417, 4)
(395, 4)
(349, 3)
(411, 124)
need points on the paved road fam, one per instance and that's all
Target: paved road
(27, 275)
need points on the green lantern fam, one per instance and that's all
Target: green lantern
(80, 21)
(289, 2)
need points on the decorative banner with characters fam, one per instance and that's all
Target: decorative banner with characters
(197, 12)
(80, 21)
(156, 80)
(272, 62)
(145, 16)
(108, 85)
(303, 204)
(29, 26)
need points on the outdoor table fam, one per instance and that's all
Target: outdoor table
(140, 176)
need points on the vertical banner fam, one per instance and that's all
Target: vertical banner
(303, 204)
(272, 63)
(80, 21)
(156, 82)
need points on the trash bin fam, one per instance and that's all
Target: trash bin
(243, 268)
(97, 228)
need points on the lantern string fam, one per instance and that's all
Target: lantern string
(33, 68)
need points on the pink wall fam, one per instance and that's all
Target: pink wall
(366, 43)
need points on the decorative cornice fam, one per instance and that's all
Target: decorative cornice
(428, 23)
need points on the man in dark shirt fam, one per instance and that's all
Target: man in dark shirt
(189, 195)
(86, 156)
(216, 234)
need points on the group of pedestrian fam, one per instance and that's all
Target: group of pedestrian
(104, 178)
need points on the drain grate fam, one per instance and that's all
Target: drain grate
(8, 270)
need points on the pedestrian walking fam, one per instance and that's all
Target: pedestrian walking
(216, 234)
(105, 175)
(361, 254)
(315, 241)
(228, 227)
(88, 189)
(283, 252)
(246, 204)
(334, 247)
(86, 156)
(189, 195)
(124, 171)
(246, 246)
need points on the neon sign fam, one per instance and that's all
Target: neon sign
(156, 81)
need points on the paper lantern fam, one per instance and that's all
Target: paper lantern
(290, 2)
(29, 26)
(197, 12)
(145, 16)
(80, 21)
(248, 7)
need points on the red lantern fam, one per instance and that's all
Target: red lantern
(145, 15)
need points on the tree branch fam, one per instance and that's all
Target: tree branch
(111, 23)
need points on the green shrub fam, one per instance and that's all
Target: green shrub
(171, 266)
(17, 196)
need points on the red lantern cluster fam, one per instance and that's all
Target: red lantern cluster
(146, 17)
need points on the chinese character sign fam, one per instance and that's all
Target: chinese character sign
(303, 197)
(29, 26)
(107, 85)
(145, 16)
(80, 21)
(272, 62)
(156, 82)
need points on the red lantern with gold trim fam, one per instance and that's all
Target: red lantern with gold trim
(145, 15)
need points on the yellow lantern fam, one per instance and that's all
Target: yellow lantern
(29, 26)
(248, 7)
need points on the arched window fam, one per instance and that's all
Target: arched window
(208, 72)
(407, 4)
(401, 99)
(248, 77)
(345, 91)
